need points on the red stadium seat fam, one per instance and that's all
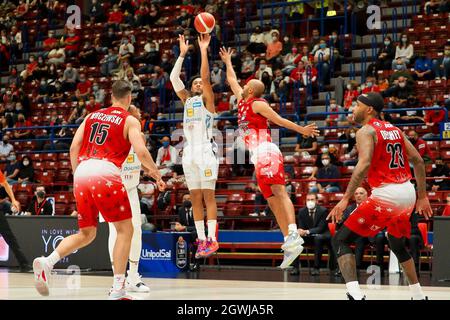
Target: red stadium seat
(444, 145)
(64, 156)
(60, 209)
(434, 196)
(38, 166)
(64, 165)
(235, 197)
(445, 155)
(233, 209)
(23, 187)
(45, 177)
(335, 197)
(303, 172)
(50, 156)
(63, 175)
(347, 171)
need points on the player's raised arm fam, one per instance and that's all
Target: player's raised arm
(266, 111)
(75, 147)
(366, 144)
(225, 55)
(208, 94)
(177, 84)
(423, 205)
(135, 138)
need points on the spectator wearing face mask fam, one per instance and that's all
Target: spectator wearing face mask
(98, 93)
(322, 61)
(78, 113)
(314, 41)
(88, 55)
(39, 206)
(440, 170)
(126, 49)
(109, 63)
(70, 78)
(350, 94)
(5, 148)
(58, 94)
(26, 173)
(399, 94)
(248, 66)
(137, 94)
(12, 169)
(306, 145)
(72, 44)
(279, 89)
(327, 171)
(313, 228)
(302, 76)
(421, 146)
(423, 67)
(167, 157)
(386, 54)
(50, 43)
(263, 68)
(432, 119)
(41, 69)
(404, 50)
(217, 78)
(21, 123)
(289, 60)
(334, 119)
(273, 52)
(84, 88)
(28, 73)
(257, 44)
(44, 92)
(115, 18)
(370, 86)
(441, 66)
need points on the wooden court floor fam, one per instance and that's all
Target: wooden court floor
(17, 286)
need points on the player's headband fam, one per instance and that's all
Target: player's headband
(372, 99)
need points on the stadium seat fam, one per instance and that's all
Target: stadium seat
(45, 177)
(235, 197)
(427, 248)
(50, 157)
(63, 175)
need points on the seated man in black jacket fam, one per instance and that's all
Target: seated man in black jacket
(313, 227)
(39, 206)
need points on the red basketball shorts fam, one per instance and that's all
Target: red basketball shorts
(389, 206)
(269, 168)
(98, 188)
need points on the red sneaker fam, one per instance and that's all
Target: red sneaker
(211, 247)
(201, 249)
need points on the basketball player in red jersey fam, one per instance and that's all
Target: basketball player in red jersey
(99, 148)
(384, 154)
(253, 116)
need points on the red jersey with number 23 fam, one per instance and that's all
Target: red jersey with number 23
(389, 161)
(103, 136)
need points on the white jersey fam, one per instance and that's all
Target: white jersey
(197, 122)
(131, 170)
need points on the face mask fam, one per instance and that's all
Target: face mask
(333, 37)
(404, 40)
(165, 144)
(82, 80)
(95, 88)
(164, 60)
(286, 39)
(42, 83)
(402, 84)
(324, 150)
(40, 194)
(349, 87)
(160, 118)
(316, 37)
(187, 203)
(325, 162)
(322, 46)
(310, 204)
(216, 69)
(26, 163)
(110, 33)
(262, 66)
(274, 39)
(399, 67)
(71, 34)
(386, 43)
(248, 59)
(352, 135)
(11, 157)
(125, 41)
(369, 84)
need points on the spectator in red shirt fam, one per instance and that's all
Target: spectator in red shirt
(50, 43)
(27, 74)
(305, 55)
(72, 42)
(21, 9)
(432, 119)
(22, 122)
(350, 94)
(371, 85)
(421, 146)
(92, 105)
(115, 18)
(300, 74)
(84, 88)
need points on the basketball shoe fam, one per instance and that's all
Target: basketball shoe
(200, 249)
(210, 247)
(292, 248)
(42, 272)
(135, 284)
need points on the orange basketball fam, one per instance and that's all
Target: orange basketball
(204, 23)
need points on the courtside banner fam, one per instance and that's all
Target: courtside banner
(164, 252)
(40, 235)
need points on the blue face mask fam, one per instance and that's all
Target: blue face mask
(165, 144)
(323, 46)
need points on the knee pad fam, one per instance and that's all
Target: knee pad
(399, 248)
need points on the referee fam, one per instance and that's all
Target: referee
(5, 230)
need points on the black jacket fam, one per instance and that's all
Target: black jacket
(189, 223)
(319, 225)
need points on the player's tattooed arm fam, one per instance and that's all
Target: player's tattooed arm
(208, 94)
(225, 55)
(366, 144)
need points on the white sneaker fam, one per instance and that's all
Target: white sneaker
(135, 284)
(41, 275)
(290, 256)
(293, 241)
(120, 295)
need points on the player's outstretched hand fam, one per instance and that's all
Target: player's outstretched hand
(310, 130)
(225, 54)
(203, 41)
(338, 211)
(16, 205)
(184, 45)
(423, 208)
(161, 184)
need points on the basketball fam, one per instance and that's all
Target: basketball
(204, 23)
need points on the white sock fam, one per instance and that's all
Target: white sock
(285, 238)
(200, 227)
(416, 290)
(292, 227)
(212, 229)
(112, 266)
(119, 282)
(53, 258)
(133, 267)
(354, 290)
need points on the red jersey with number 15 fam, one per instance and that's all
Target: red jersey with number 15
(103, 136)
(389, 161)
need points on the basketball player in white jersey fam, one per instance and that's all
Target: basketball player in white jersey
(131, 172)
(200, 164)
